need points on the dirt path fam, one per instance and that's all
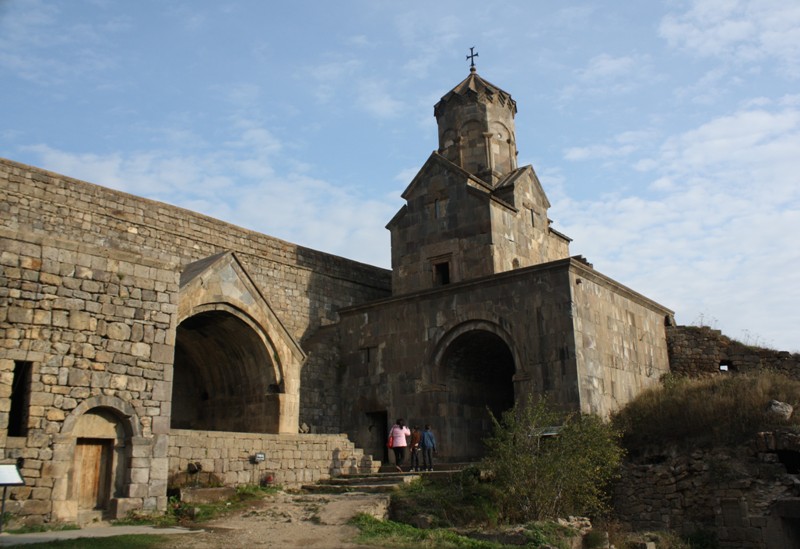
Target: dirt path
(314, 521)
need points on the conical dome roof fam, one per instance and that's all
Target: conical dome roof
(475, 89)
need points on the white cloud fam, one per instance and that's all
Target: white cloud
(238, 183)
(607, 74)
(741, 31)
(622, 145)
(31, 38)
(719, 236)
(375, 97)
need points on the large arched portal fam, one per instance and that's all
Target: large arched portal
(478, 370)
(224, 376)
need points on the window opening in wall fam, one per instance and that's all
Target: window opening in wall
(791, 460)
(366, 355)
(533, 218)
(441, 273)
(20, 399)
(439, 208)
(726, 366)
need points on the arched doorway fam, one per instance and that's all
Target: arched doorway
(477, 368)
(100, 462)
(225, 378)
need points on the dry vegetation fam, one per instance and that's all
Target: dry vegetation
(720, 411)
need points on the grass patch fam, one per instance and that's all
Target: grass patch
(720, 411)
(395, 534)
(181, 514)
(457, 500)
(37, 528)
(138, 541)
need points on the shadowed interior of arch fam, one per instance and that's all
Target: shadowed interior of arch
(224, 377)
(478, 369)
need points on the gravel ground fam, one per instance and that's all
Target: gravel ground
(314, 521)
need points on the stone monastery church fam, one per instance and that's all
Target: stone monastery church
(141, 342)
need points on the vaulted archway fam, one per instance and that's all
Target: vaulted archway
(237, 367)
(224, 376)
(477, 368)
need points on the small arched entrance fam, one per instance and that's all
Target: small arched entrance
(225, 378)
(100, 462)
(477, 367)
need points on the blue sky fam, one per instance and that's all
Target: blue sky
(666, 134)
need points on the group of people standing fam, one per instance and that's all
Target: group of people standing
(422, 442)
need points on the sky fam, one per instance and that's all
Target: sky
(666, 134)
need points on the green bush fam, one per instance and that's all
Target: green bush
(540, 475)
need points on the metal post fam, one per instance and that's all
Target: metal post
(3, 511)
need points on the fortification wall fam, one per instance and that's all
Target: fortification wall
(699, 351)
(89, 285)
(740, 496)
(304, 287)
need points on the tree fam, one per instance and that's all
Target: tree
(547, 464)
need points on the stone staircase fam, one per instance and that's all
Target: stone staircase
(386, 480)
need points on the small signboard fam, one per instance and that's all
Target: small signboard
(259, 457)
(9, 476)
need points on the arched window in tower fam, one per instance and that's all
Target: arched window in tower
(439, 208)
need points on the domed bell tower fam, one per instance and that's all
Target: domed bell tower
(476, 128)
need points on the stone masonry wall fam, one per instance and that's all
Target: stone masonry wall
(89, 282)
(98, 328)
(292, 460)
(698, 351)
(304, 287)
(732, 494)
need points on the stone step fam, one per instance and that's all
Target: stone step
(347, 489)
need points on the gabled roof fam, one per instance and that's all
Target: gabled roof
(437, 159)
(475, 185)
(511, 179)
(474, 88)
(223, 279)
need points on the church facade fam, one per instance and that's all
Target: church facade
(141, 343)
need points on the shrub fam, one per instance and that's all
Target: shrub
(539, 475)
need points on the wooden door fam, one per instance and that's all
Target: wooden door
(93, 460)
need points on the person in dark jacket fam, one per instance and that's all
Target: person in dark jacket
(428, 445)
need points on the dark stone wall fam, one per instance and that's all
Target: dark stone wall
(698, 351)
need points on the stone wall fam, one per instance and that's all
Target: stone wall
(619, 340)
(291, 460)
(305, 287)
(89, 287)
(699, 351)
(573, 341)
(736, 495)
(97, 328)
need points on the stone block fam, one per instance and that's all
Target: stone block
(122, 507)
(65, 511)
(35, 507)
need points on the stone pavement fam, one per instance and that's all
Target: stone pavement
(9, 540)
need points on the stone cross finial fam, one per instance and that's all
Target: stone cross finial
(472, 55)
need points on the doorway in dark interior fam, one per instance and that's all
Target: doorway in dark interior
(379, 434)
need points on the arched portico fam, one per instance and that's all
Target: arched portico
(236, 366)
(226, 376)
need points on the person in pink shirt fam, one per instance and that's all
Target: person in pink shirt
(398, 434)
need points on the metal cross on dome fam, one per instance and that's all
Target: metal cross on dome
(472, 55)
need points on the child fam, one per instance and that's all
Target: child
(416, 436)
